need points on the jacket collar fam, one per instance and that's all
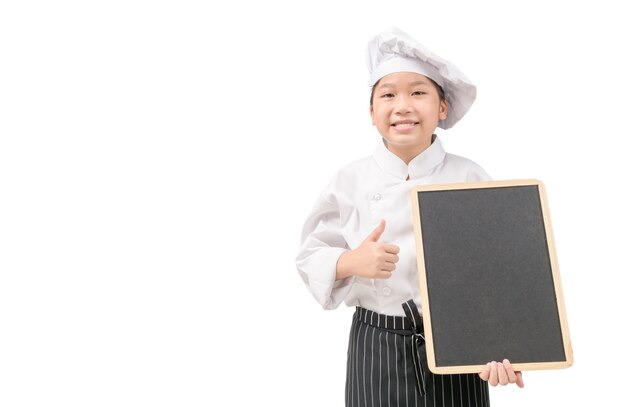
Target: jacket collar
(420, 165)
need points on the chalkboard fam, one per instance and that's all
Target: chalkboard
(489, 277)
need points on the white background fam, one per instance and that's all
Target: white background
(158, 158)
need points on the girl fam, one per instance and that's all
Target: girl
(358, 245)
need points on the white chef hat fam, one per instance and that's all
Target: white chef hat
(394, 51)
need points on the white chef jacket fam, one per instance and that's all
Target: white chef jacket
(351, 206)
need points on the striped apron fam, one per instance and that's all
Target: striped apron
(387, 366)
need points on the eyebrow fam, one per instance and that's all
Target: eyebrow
(389, 85)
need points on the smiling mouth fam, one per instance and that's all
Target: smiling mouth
(401, 125)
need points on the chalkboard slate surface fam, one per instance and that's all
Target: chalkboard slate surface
(489, 277)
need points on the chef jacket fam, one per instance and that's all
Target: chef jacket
(352, 205)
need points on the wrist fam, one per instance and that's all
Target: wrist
(343, 269)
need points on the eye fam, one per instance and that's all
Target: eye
(387, 95)
(418, 93)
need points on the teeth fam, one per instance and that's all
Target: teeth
(404, 124)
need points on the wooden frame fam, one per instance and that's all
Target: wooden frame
(501, 250)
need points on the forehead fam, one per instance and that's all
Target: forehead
(403, 79)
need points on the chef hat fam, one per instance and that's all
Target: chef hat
(394, 51)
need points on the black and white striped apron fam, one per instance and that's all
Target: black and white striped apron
(387, 366)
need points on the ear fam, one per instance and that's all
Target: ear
(372, 115)
(443, 110)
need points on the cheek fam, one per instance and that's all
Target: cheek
(435, 111)
(377, 115)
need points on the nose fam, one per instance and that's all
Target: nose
(403, 105)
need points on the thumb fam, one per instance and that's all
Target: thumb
(519, 381)
(376, 233)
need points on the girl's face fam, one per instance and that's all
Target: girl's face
(406, 110)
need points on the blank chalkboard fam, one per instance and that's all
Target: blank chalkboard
(489, 277)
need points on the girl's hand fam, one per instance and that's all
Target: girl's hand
(501, 373)
(371, 259)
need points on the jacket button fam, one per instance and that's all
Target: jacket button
(386, 291)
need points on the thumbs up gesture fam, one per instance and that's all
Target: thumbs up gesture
(372, 259)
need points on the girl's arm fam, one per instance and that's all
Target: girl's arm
(321, 246)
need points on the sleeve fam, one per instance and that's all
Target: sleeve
(477, 174)
(321, 245)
